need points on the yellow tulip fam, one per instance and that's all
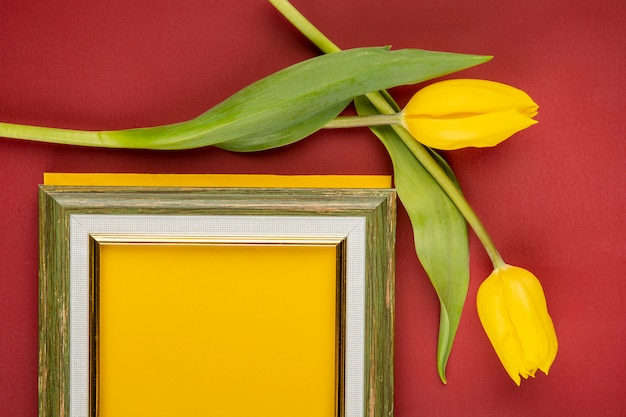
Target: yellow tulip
(513, 311)
(463, 113)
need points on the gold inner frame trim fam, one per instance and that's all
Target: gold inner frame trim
(97, 241)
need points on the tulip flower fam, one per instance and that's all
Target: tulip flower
(458, 113)
(512, 309)
(463, 113)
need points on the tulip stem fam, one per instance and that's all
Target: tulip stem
(364, 121)
(454, 193)
(52, 135)
(422, 154)
(305, 26)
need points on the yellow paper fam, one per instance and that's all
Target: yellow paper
(224, 331)
(220, 180)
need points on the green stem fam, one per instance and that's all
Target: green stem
(421, 153)
(453, 192)
(51, 134)
(364, 121)
(445, 182)
(305, 26)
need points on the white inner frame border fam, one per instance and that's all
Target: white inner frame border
(352, 229)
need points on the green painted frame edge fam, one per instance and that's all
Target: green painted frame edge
(58, 203)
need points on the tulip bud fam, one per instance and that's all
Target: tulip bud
(461, 113)
(512, 309)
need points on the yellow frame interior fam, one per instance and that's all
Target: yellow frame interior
(225, 327)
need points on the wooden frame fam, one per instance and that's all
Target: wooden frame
(76, 221)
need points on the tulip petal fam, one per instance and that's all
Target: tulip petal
(483, 130)
(494, 317)
(467, 97)
(529, 313)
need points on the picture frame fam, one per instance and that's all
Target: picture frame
(356, 228)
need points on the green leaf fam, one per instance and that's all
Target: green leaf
(439, 229)
(297, 101)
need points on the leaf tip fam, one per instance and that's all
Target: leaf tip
(442, 376)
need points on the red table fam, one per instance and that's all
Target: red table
(552, 197)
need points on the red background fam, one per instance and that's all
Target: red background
(552, 197)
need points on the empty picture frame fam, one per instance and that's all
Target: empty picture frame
(216, 301)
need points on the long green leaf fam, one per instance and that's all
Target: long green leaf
(277, 110)
(439, 230)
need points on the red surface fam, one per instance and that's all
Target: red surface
(552, 197)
